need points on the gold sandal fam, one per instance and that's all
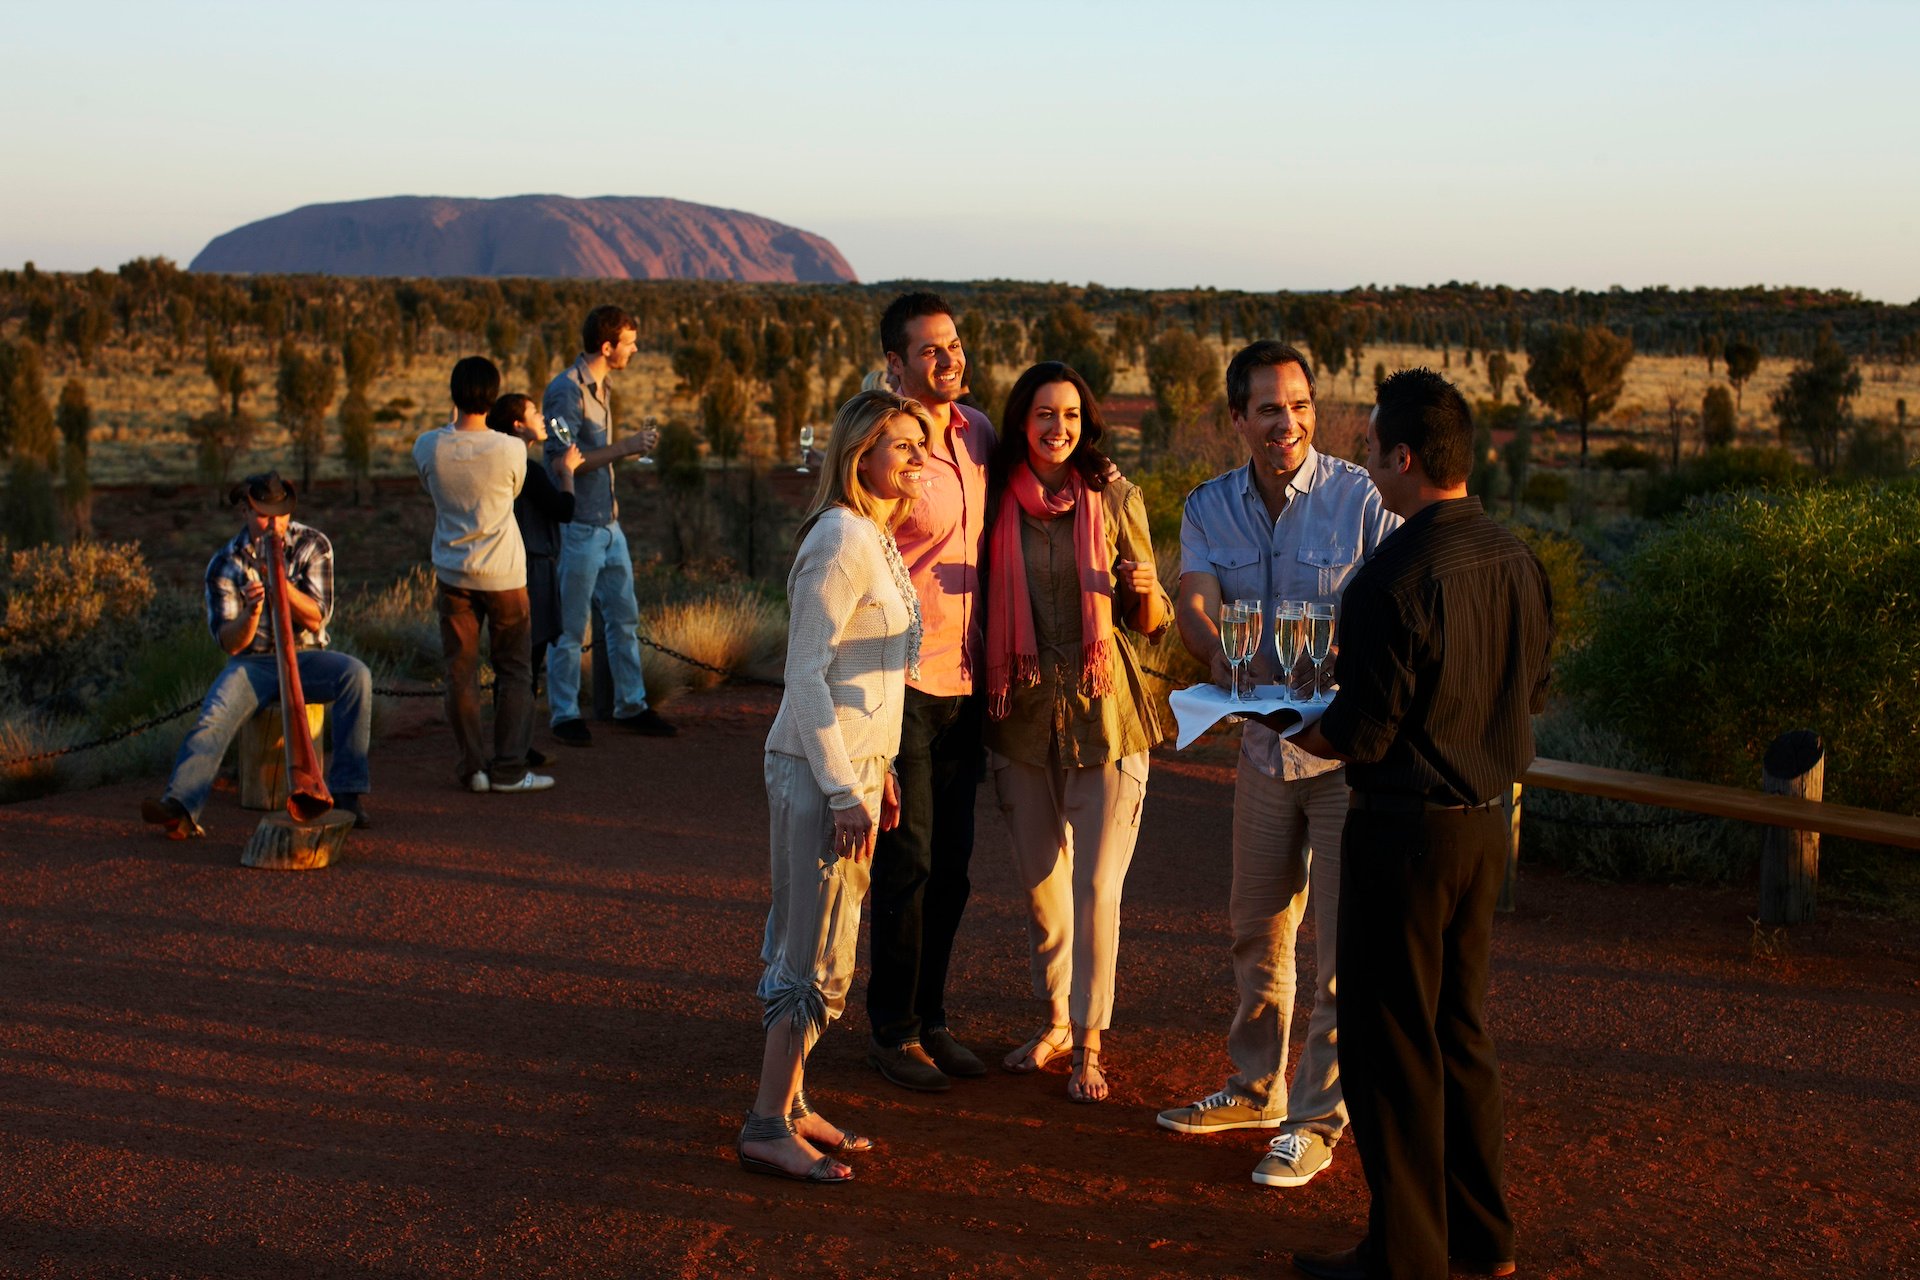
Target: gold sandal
(1037, 1052)
(1087, 1060)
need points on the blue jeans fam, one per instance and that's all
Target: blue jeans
(595, 569)
(252, 681)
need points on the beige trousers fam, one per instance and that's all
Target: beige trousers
(814, 923)
(1073, 832)
(1286, 850)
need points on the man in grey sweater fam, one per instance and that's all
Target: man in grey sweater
(480, 569)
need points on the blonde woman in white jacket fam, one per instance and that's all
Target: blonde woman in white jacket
(853, 638)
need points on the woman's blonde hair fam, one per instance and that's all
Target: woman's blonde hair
(877, 380)
(856, 429)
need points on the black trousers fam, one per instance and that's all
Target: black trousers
(1417, 893)
(920, 883)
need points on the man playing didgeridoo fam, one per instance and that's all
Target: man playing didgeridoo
(236, 614)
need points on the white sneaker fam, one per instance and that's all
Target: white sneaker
(477, 781)
(528, 782)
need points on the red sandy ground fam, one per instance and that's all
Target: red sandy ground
(514, 1037)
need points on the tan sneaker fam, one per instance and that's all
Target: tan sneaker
(1292, 1159)
(1220, 1112)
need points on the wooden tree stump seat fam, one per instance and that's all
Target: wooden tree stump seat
(261, 754)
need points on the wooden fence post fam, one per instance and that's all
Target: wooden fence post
(1795, 765)
(1510, 886)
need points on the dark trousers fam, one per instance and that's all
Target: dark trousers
(504, 613)
(1417, 893)
(920, 884)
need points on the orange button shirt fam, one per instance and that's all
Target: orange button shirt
(942, 540)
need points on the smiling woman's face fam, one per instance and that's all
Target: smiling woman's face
(890, 468)
(1053, 426)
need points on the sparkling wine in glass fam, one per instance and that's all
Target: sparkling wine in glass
(1233, 635)
(806, 447)
(652, 425)
(559, 430)
(1319, 638)
(1289, 621)
(1253, 614)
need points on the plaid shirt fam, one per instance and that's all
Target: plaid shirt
(309, 567)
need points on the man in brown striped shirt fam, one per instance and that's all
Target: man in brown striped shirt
(1444, 638)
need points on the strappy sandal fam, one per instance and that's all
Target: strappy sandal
(850, 1144)
(1089, 1060)
(772, 1129)
(1037, 1052)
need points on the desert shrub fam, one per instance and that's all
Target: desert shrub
(1875, 450)
(1573, 577)
(733, 627)
(73, 615)
(1164, 489)
(1612, 839)
(394, 629)
(1629, 457)
(1760, 613)
(1719, 471)
(1545, 490)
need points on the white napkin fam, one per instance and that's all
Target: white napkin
(1198, 709)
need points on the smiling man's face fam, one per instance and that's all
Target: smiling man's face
(1278, 424)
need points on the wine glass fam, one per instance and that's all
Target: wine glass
(1287, 626)
(1233, 634)
(559, 430)
(806, 447)
(653, 425)
(1319, 638)
(1253, 613)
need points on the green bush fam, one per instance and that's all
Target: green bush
(73, 617)
(1545, 490)
(1164, 489)
(1573, 577)
(1614, 840)
(1763, 613)
(1720, 471)
(395, 629)
(1629, 457)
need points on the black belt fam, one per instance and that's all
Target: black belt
(1399, 802)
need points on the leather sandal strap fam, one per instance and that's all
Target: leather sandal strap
(765, 1128)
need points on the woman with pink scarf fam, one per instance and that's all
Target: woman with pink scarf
(1069, 723)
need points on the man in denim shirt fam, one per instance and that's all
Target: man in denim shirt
(1293, 524)
(595, 566)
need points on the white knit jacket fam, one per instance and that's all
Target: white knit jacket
(846, 654)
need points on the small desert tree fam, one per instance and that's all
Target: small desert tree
(1815, 407)
(74, 417)
(723, 411)
(1499, 369)
(1578, 372)
(228, 373)
(1183, 371)
(1067, 333)
(304, 386)
(1717, 417)
(27, 429)
(1743, 361)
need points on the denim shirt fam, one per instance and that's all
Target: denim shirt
(584, 407)
(1332, 522)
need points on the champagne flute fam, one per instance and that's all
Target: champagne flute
(1287, 626)
(1233, 634)
(1319, 639)
(1253, 612)
(653, 425)
(806, 447)
(559, 430)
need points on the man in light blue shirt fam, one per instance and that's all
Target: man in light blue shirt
(595, 566)
(1293, 524)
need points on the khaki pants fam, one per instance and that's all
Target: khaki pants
(814, 922)
(1073, 832)
(1286, 850)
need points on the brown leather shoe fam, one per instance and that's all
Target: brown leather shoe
(1345, 1265)
(948, 1054)
(908, 1066)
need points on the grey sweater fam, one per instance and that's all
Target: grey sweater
(474, 477)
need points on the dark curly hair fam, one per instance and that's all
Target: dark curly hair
(1012, 450)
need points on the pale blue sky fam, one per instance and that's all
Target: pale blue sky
(1212, 142)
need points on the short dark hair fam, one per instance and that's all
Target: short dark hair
(1426, 413)
(475, 384)
(506, 411)
(604, 325)
(908, 306)
(1011, 450)
(1258, 356)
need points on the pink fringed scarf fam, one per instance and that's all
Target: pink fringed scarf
(1013, 649)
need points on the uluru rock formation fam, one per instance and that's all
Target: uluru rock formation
(606, 237)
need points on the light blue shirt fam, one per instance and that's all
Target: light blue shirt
(1332, 522)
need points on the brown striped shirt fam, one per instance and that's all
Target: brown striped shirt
(1444, 636)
